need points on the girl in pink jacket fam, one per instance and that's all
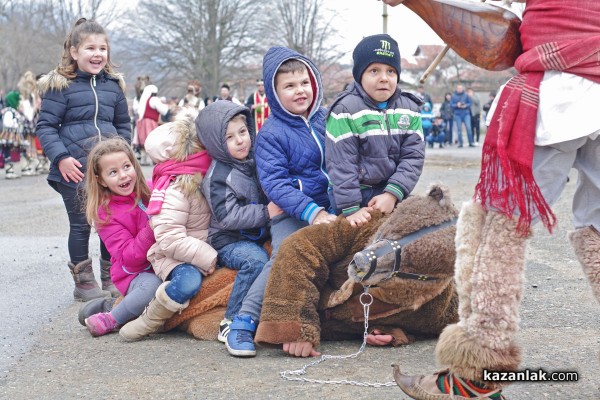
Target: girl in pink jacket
(116, 195)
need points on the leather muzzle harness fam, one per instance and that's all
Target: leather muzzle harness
(395, 246)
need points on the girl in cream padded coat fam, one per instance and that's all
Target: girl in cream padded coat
(179, 217)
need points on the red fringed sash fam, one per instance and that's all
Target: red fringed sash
(506, 182)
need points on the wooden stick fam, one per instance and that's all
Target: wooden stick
(483, 34)
(434, 64)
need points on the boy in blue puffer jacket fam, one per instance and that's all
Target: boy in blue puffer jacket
(291, 169)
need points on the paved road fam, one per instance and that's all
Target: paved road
(46, 354)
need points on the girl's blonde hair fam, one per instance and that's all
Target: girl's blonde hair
(96, 195)
(80, 31)
(187, 143)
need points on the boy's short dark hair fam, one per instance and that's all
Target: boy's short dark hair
(291, 65)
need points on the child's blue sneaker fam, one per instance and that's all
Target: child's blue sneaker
(240, 342)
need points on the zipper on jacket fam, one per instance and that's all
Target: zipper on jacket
(389, 131)
(314, 135)
(93, 85)
(387, 122)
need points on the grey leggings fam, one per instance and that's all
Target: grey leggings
(141, 290)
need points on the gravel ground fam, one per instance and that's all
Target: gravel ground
(48, 355)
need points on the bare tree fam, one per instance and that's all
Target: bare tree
(25, 44)
(33, 32)
(305, 26)
(4, 5)
(453, 66)
(208, 40)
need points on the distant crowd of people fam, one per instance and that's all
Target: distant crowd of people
(461, 110)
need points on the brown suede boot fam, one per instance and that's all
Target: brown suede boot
(105, 278)
(427, 387)
(86, 287)
(160, 309)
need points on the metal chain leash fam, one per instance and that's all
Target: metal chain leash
(366, 299)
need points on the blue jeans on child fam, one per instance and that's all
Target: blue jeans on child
(185, 283)
(366, 191)
(282, 226)
(248, 258)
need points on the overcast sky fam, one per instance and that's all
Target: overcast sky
(360, 18)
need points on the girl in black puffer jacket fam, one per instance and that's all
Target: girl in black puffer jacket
(83, 101)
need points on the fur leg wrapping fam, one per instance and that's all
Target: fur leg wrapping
(485, 339)
(469, 228)
(107, 283)
(86, 287)
(497, 283)
(586, 242)
(160, 309)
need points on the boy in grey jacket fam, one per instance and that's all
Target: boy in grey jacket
(375, 148)
(240, 217)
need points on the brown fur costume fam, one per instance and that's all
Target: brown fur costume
(309, 296)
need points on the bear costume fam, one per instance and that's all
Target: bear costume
(310, 297)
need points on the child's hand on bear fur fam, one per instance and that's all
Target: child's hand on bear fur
(385, 202)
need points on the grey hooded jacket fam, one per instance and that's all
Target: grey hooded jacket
(231, 186)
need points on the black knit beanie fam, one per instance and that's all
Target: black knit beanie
(377, 48)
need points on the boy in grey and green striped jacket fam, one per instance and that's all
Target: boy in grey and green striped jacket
(374, 148)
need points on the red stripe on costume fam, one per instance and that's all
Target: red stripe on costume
(461, 389)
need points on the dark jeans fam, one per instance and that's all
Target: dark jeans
(248, 258)
(79, 229)
(476, 125)
(449, 125)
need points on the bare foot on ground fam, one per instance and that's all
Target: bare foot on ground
(300, 349)
(377, 339)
